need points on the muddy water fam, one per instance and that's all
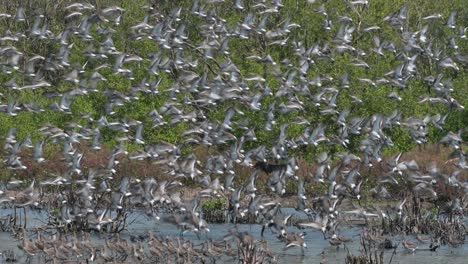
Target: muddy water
(140, 224)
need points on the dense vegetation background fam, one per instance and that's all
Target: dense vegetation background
(209, 63)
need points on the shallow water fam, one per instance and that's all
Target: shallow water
(140, 224)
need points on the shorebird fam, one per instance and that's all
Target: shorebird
(27, 245)
(435, 244)
(409, 245)
(278, 223)
(423, 238)
(336, 240)
(319, 223)
(293, 240)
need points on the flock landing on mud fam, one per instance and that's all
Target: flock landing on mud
(190, 74)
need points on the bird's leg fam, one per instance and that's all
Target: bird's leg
(14, 210)
(24, 209)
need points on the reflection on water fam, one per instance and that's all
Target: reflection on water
(141, 224)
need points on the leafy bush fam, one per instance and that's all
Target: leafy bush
(214, 204)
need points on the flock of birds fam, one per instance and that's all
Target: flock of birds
(145, 248)
(204, 77)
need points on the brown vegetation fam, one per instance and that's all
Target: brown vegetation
(426, 156)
